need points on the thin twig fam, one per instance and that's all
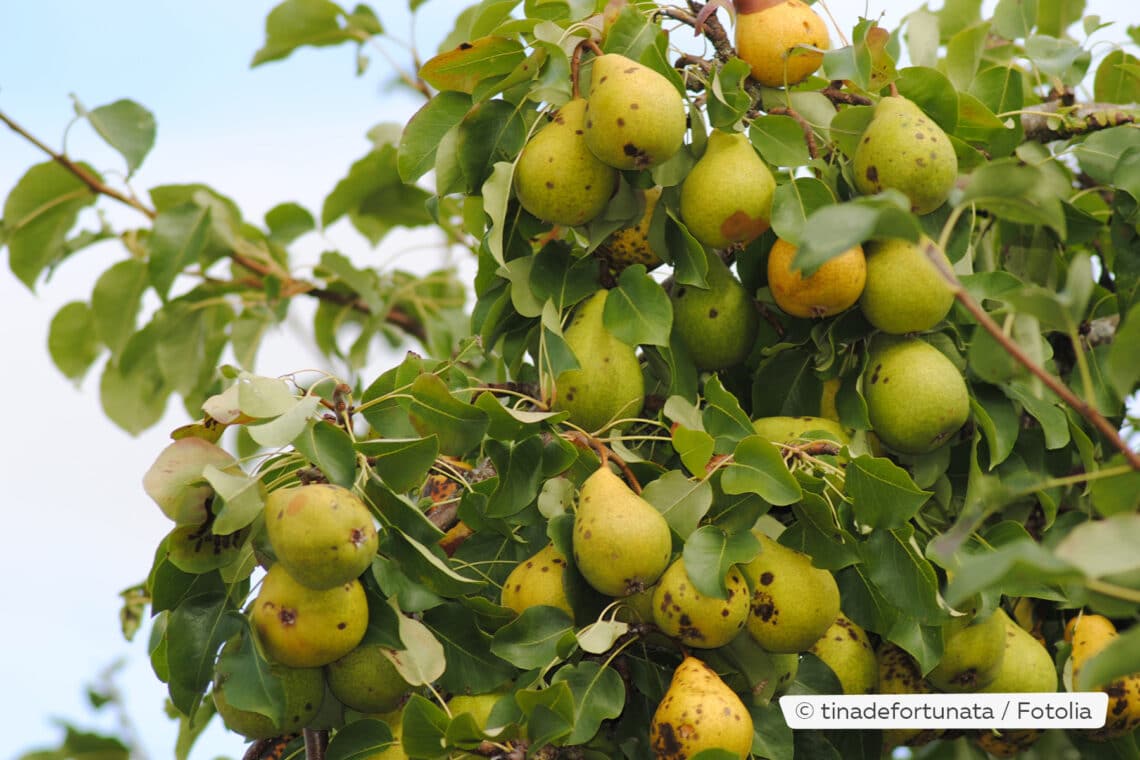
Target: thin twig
(837, 96)
(809, 133)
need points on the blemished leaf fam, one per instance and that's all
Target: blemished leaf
(361, 740)
(434, 411)
(242, 499)
(710, 553)
(127, 127)
(115, 302)
(463, 68)
(682, 501)
(759, 468)
(599, 694)
(1120, 658)
(425, 130)
(780, 140)
(1102, 547)
(295, 23)
(401, 463)
(531, 639)
(330, 449)
(638, 310)
(883, 494)
(72, 341)
(422, 659)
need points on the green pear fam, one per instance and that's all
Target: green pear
(366, 680)
(635, 117)
(916, 398)
(699, 712)
(767, 674)
(622, 544)
(901, 148)
(197, 549)
(630, 245)
(608, 384)
(904, 291)
(322, 533)
(717, 325)
(696, 620)
(395, 750)
(303, 689)
(306, 628)
(793, 603)
(727, 196)
(175, 481)
(536, 581)
(479, 705)
(791, 429)
(557, 178)
(845, 648)
(972, 654)
(899, 674)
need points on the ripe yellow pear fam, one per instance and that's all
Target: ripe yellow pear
(899, 674)
(699, 712)
(538, 581)
(306, 628)
(304, 689)
(635, 117)
(916, 398)
(793, 603)
(696, 620)
(622, 544)
(718, 325)
(366, 680)
(630, 245)
(727, 196)
(608, 384)
(322, 533)
(832, 288)
(904, 292)
(972, 654)
(1090, 634)
(768, 33)
(845, 648)
(903, 149)
(781, 429)
(557, 178)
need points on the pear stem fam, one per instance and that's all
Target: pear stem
(575, 68)
(894, 90)
(1082, 407)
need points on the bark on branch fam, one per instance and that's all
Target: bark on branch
(1057, 121)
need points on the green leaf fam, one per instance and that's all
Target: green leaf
(682, 501)
(295, 23)
(425, 130)
(531, 639)
(329, 448)
(1120, 658)
(519, 474)
(401, 463)
(471, 666)
(1115, 81)
(729, 101)
(176, 241)
(998, 420)
(599, 694)
(286, 427)
(1018, 562)
(560, 277)
(133, 399)
(771, 738)
(759, 468)
(833, 229)
(197, 627)
(259, 397)
(463, 68)
(249, 681)
(883, 494)
(931, 91)
(1014, 19)
(375, 198)
(710, 553)
(422, 660)
(242, 499)
(898, 571)
(38, 213)
(723, 418)
(1064, 59)
(1102, 547)
(695, 447)
(796, 200)
(365, 281)
(288, 221)
(434, 411)
(424, 726)
(638, 310)
(115, 302)
(127, 127)
(362, 739)
(424, 567)
(1017, 193)
(72, 340)
(491, 132)
(780, 140)
(1117, 494)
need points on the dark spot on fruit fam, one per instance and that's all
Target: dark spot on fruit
(621, 122)
(686, 620)
(287, 616)
(766, 578)
(919, 136)
(465, 46)
(579, 132)
(604, 78)
(280, 513)
(666, 743)
(866, 140)
(920, 162)
(587, 534)
(872, 174)
(631, 70)
(875, 374)
(725, 612)
(589, 186)
(634, 106)
(713, 313)
(762, 607)
(341, 626)
(549, 185)
(589, 123)
(518, 587)
(545, 569)
(308, 706)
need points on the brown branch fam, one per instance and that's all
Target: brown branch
(84, 176)
(709, 26)
(837, 96)
(316, 742)
(809, 133)
(1082, 407)
(1059, 120)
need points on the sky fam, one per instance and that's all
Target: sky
(79, 528)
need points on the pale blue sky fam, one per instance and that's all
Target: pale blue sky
(78, 527)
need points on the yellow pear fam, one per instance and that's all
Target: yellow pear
(307, 628)
(1090, 634)
(793, 603)
(699, 712)
(322, 533)
(899, 674)
(557, 178)
(768, 33)
(916, 398)
(902, 149)
(904, 291)
(608, 384)
(630, 245)
(845, 648)
(696, 620)
(622, 544)
(972, 654)
(832, 288)
(635, 117)
(394, 751)
(792, 429)
(727, 196)
(718, 324)
(366, 680)
(303, 688)
(538, 581)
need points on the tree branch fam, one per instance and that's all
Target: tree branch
(316, 742)
(1060, 121)
(809, 133)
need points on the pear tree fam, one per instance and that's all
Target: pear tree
(794, 359)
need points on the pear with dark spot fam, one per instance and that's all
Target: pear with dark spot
(302, 689)
(717, 324)
(727, 196)
(972, 654)
(793, 602)
(699, 712)
(899, 673)
(367, 680)
(538, 581)
(695, 619)
(846, 649)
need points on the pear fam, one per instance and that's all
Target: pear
(916, 398)
(175, 480)
(904, 291)
(727, 196)
(696, 620)
(899, 674)
(635, 117)
(972, 654)
(303, 689)
(306, 628)
(793, 603)
(322, 533)
(630, 245)
(902, 149)
(538, 581)
(608, 384)
(1090, 634)
(718, 325)
(366, 680)
(832, 288)
(197, 549)
(699, 712)
(395, 750)
(479, 705)
(768, 33)
(557, 178)
(792, 429)
(845, 648)
(622, 544)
